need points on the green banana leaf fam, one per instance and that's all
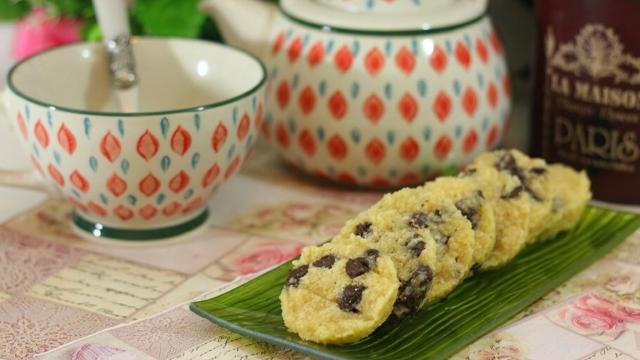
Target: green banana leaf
(479, 305)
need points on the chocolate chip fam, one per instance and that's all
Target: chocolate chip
(467, 172)
(351, 298)
(326, 261)
(362, 265)
(440, 237)
(296, 274)
(364, 229)
(513, 193)
(412, 291)
(480, 194)
(538, 170)
(469, 208)
(416, 244)
(356, 267)
(372, 256)
(418, 220)
(506, 162)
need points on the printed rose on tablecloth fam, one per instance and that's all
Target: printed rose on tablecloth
(39, 31)
(297, 221)
(502, 346)
(264, 257)
(595, 316)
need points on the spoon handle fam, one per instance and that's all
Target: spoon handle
(114, 24)
(112, 18)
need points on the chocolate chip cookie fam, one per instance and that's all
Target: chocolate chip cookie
(339, 293)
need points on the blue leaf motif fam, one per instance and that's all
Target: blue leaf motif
(422, 87)
(27, 112)
(164, 127)
(393, 173)
(425, 170)
(362, 172)
(56, 157)
(132, 200)
(124, 165)
(448, 47)
(232, 151)
(485, 124)
(160, 199)
(356, 48)
(121, 127)
(414, 46)
(322, 88)
(196, 121)
(355, 136)
(456, 87)
(331, 170)
(292, 126)
(480, 80)
(188, 194)
(426, 134)
(388, 47)
(388, 91)
(254, 103)
(391, 137)
(355, 89)
(295, 81)
(195, 159)
(93, 163)
(305, 40)
(75, 193)
(329, 47)
(35, 149)
(87, 126)
(249, 141)
(49, 119)
(104, 199)
(458, 131)
(467, 40)
(165, 163)
(320, 133)
(234, 116)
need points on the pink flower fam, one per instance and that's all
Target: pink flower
(587, 322)
(627, 313)
(593, 302)
(263, 258)
(39, 32)
(622, 285)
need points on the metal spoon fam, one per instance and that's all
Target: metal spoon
(114, 24)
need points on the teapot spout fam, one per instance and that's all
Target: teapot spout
(243, 23)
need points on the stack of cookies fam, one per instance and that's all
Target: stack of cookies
(416, 245)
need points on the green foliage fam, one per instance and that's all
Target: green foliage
(13, 9)
(168, 17)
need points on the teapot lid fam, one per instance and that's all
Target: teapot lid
(384, 16)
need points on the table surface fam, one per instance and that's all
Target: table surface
(60, 294)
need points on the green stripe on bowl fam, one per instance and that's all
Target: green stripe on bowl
(479, 305)
(98, 230)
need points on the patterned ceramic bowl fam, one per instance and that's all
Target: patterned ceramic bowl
(144, 175)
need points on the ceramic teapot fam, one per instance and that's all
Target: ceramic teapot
(375, 92)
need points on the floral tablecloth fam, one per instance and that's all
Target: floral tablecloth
(62, 297)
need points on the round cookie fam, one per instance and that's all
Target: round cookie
(532, 175)
(338, 294)
(504, 193)
(451, 231)
(413, 252)
(570, 193)
(469, 199)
